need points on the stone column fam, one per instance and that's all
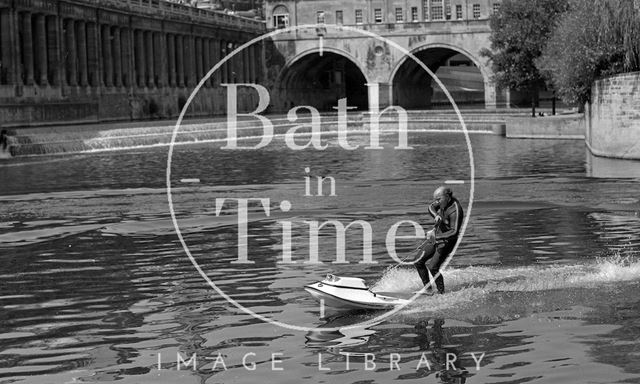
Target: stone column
(83, 65)
(224, 74)
(116, 49)
(198, 58)
(81, 34)
(229, 64)
(252, 64)
(241, 67)
(93, 57)
(180, 52)
(187, 60)
(192, 59)
(246, 76)
(171, 59)
(235, 68)
(40, 50)
(212, 61)
(149, 48)
(380, 96)
(53, 50)
(216, 58)
(140, 59)
(161, 59)
(489, 95)
(27, 48)
(71, 54)
(206, 60)
(260, 72)
(107, 56)
(125, 53)
(6, 59)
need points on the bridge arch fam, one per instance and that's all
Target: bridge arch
(413, 87)
(319, 78)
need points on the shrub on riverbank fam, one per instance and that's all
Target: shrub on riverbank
(593, 39)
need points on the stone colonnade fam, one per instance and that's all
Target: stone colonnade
(105, 59)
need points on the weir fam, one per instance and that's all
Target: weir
(118, 136)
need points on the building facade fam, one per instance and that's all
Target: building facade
(367, 12)
(98, 60)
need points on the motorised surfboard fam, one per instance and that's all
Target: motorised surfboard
(349, 293)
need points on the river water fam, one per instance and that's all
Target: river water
(96, 286)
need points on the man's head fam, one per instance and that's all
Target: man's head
(442, 196)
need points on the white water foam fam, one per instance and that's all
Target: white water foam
(470, 284)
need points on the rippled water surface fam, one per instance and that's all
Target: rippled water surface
(96, 286)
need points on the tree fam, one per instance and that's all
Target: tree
(519, 32)
(592, 39)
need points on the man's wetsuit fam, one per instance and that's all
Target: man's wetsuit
(446, 233)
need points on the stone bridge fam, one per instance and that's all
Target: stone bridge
(321, 63)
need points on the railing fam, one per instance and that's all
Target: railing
(165, 7)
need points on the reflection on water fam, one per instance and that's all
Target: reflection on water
(95, 286)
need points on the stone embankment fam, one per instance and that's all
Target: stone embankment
(613, 117)
(570, 126)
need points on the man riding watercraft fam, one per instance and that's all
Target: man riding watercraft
(448, 215)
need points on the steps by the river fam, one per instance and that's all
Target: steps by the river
(114, 136)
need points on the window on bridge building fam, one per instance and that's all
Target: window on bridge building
(358, 16)
(414, 14)
(425, 10)
(447, 9)
(320, 17)
(476, 11)
(339, 18)
(459, 12)
(496, 7)
(399, 15)
(280, 17)
(377, 15)
(437, 11)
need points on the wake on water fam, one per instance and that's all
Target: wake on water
(475, 284)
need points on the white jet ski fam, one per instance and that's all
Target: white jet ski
(350, 293)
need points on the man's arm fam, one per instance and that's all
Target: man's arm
(433, 209)
(455, 218)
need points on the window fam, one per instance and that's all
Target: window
(496, 7)
(280, 17)
(476, 11)
(425, 10)
(338, 17)
(377, 15)
(280, 21)
(459, 12)
(414, 14)
(358, 16)
(437, 10)
(447, 9)
(320, 17)
(399, 15)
